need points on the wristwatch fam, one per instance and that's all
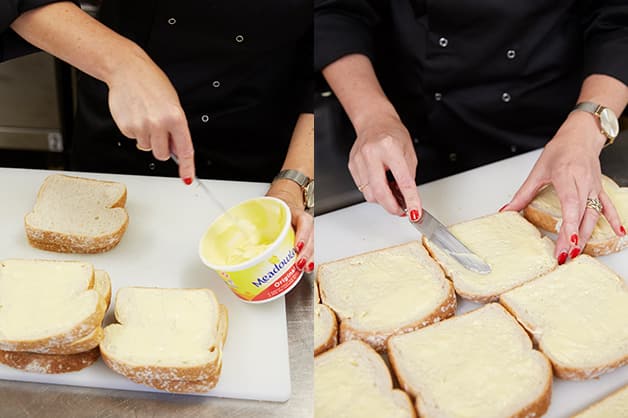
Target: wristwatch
(306, 183)
(609, 126)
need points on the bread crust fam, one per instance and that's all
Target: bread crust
(378, 340)
(49, 363)
(596, 404)
(182, 386)
(547, 222)
(534, 409)
(174, 377)
(77, 244)
(332, 338)
(61, 342)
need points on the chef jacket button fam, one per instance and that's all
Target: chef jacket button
(172, 21)
(151, 166)
(438, 96)
(513, 148)
(453, 157)
(511, 54)
(505, 97)
(239, 39)
(205, 118)
(216, 83)
(209, 162)
(415, 140)
(443, 42)
(119, 144)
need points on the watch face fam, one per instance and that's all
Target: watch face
(309, 195)
(609, 123)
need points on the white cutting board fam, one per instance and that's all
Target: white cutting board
(478, 192)
(160, 249)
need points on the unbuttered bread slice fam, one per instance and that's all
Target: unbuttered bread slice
(545, 212)
(170, 339)
(578, 314)
(510, 245)
(77, 215)
(352, 380)
(47, 305)
(386, 292)
(480, 364)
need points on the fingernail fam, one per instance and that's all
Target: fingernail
(574, 253)
(622, 230)
(187, 180)
(310, 267)
(574, 239)
(403, 215)
(300, 246)
(414, 215)
(301, 263)
(562, 257)
(502, 208)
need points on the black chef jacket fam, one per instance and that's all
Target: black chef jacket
(484, 78)
(11, 45)
(243, 72)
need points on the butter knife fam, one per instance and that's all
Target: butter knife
(438, 233)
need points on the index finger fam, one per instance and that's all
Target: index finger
(181, 145)
(405, 182)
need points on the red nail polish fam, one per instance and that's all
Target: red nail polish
(414, 215)
(301, 263)
(502, 208)
(574, 253)
(300, 246)
(187, 180)
(574, 239)
(310, 267)
(403, 215)
(623, 230)
(562, 257)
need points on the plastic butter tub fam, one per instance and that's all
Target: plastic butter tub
(251, 247)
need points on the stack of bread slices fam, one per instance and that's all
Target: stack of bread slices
(540, 320)
(51, 314)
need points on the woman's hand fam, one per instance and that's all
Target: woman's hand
(145, 106)
(570, 162)
(383, 143)
(302, 222)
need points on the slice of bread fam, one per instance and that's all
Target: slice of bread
(545, 212)
(352, 380)
(386, 292)
(578, 314)
(614, 405)
(77, 215)
(46, 304)
(325, 329)
(511, 246)
(480, 364)
(49, 363)
(165, 336)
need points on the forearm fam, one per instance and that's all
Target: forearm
(65, 31)
(300, 157)
(354, 82)
(605, 90)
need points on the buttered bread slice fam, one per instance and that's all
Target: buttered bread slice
(578, 314)
(545, 212)
(352, 380)
(511, 246)
(325, 329)
(170, 339)
(47, 305)
(480, 364)
(614, 405)
(385, 292)
(77, 215)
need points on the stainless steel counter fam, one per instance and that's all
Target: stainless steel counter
(19, 399)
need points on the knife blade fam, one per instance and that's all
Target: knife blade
(438, 233)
